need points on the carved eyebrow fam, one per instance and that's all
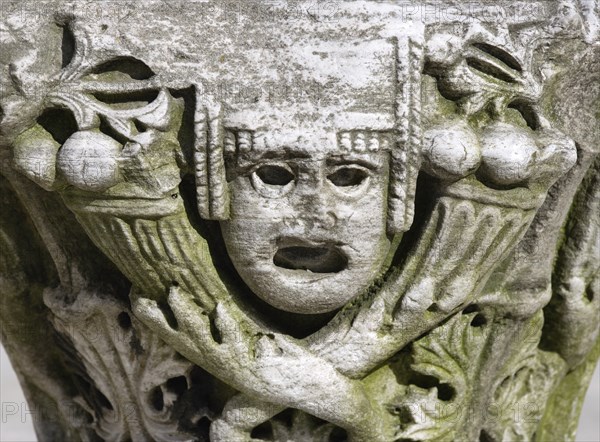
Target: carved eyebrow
(285, 154)
(279, 154)
(368, 161)
(247, 160)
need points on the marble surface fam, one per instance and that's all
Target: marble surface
(16, 420)
(312, 179)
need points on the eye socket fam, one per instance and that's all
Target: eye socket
(274, 175)
(348, 176)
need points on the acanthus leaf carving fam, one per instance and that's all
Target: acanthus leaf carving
(137, 379)
(141, 148)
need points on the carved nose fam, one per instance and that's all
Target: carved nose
(324, 219)
(313, 206)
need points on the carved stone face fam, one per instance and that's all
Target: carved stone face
(307, 231)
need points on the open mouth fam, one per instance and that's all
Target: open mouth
(319, 259)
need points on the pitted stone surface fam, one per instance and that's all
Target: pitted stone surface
(301, 220)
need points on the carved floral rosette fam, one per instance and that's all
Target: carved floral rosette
(127, 171)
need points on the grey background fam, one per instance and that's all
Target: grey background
(16, 417)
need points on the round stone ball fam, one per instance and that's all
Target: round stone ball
(508, 154)
(89, 160)
(34, 154)
(451, 151)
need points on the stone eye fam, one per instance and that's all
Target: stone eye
(274, 175)
(347, 176)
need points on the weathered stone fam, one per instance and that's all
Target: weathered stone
(301, 220)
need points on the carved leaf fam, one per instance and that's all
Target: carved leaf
(527, 379)
(119, 91)
(302, 427)
(139, 377)
(450, 354)
(486, 75)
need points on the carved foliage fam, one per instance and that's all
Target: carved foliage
(137, 383)
(118, 167)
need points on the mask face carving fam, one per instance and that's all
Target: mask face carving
(309, 164)
(307, 231)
